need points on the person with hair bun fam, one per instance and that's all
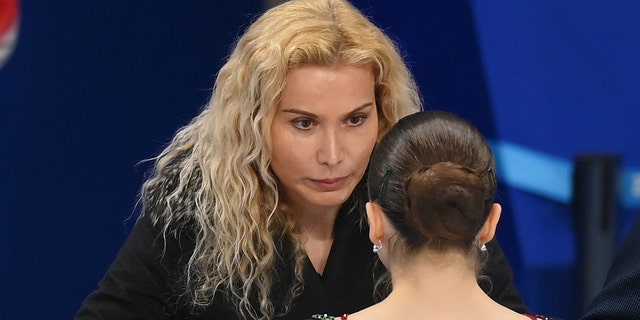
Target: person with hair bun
(431, 213)
(255, 210)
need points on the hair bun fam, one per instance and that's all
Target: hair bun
(445, 201)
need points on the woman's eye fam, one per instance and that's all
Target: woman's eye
(356, 120)
(303, 124)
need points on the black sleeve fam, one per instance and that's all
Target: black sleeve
(619, 297)
(497, 279)
(138, 283)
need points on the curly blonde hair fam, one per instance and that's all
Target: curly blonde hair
(214, 176)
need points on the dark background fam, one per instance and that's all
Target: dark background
(94, 88)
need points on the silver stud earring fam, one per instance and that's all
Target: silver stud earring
(376, 248)
(483, 248)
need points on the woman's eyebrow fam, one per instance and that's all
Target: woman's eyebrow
(312, 115)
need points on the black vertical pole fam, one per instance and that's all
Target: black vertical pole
(595, 202)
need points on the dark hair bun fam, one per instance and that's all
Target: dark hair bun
(445, 201)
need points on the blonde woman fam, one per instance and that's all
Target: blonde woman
(253, 210)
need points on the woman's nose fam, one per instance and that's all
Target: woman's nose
(331, 150)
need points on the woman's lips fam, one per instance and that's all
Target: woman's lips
(328, 185)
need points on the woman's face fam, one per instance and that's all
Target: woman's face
(323, 133)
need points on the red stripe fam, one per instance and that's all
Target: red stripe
(8, 15)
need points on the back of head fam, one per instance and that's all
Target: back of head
(433, 175)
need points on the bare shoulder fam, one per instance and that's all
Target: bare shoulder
(374, 312)
(540, 317)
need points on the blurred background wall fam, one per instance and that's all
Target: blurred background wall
(90, 89)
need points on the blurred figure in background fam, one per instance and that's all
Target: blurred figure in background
(619, 298)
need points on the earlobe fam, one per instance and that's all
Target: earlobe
(376, 229)
(489, 229)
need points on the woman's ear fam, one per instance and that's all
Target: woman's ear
(489, 229)
(375, 217)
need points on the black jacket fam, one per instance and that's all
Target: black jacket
(143, 281)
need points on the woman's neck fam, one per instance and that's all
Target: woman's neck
(441, 278)
(316, 223)
(441, 285)
(316, 227)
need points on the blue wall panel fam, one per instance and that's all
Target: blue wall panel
(92, 89)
